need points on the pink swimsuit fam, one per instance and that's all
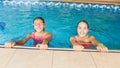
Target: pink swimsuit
(37, 39)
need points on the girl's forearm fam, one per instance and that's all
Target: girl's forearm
(45, 42)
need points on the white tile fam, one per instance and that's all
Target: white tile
(26, 58)
(72, 59)
(31, 59)
(5, 56)
(106, 60)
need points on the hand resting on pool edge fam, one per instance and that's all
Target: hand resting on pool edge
(82, 40)
(39, 36)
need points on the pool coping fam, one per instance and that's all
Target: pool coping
(59, 49)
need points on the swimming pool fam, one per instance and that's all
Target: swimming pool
(16, 19)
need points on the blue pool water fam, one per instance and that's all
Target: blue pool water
(16, 18)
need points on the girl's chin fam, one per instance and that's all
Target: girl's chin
(82, 35)
(38, 30)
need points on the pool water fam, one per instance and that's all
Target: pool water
(16, 18)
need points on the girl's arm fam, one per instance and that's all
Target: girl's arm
(98, 45)
(76, 46)
(44, 44)
(22, 42)
(72, 40)
(48, 37)
(19, 42)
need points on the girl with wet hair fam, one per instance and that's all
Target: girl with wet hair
(39, 36)
(82, 40)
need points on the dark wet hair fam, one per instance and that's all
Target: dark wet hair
(84, 22)
(39, 18)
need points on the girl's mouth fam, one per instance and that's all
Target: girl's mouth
(81, 33)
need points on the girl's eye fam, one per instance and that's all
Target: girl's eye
(79, 27)
(85, 28)
(36, 24)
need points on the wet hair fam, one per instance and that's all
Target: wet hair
(41, 19)
(84, 22)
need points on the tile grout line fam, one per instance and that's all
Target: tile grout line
(10, 58)
(93, 60)
(52, 59)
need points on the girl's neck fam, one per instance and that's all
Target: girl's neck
(40, 32)
(82, 38)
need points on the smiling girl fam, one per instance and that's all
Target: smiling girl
(40, 36)
(82, 40)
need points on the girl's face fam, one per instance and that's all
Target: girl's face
(82, 29)
(38, 25)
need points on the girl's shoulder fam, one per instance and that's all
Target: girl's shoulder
(73, 37)
(91, 37)
(31, 33)
(47, 33)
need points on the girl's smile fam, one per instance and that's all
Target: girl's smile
(38, 25)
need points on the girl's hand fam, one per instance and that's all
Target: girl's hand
(42, 46)
(9, 44)
(78, 47)
(102, 48)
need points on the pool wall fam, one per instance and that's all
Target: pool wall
(86, 1)
(97, 1)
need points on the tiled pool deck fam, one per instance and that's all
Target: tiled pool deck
(29, 58)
